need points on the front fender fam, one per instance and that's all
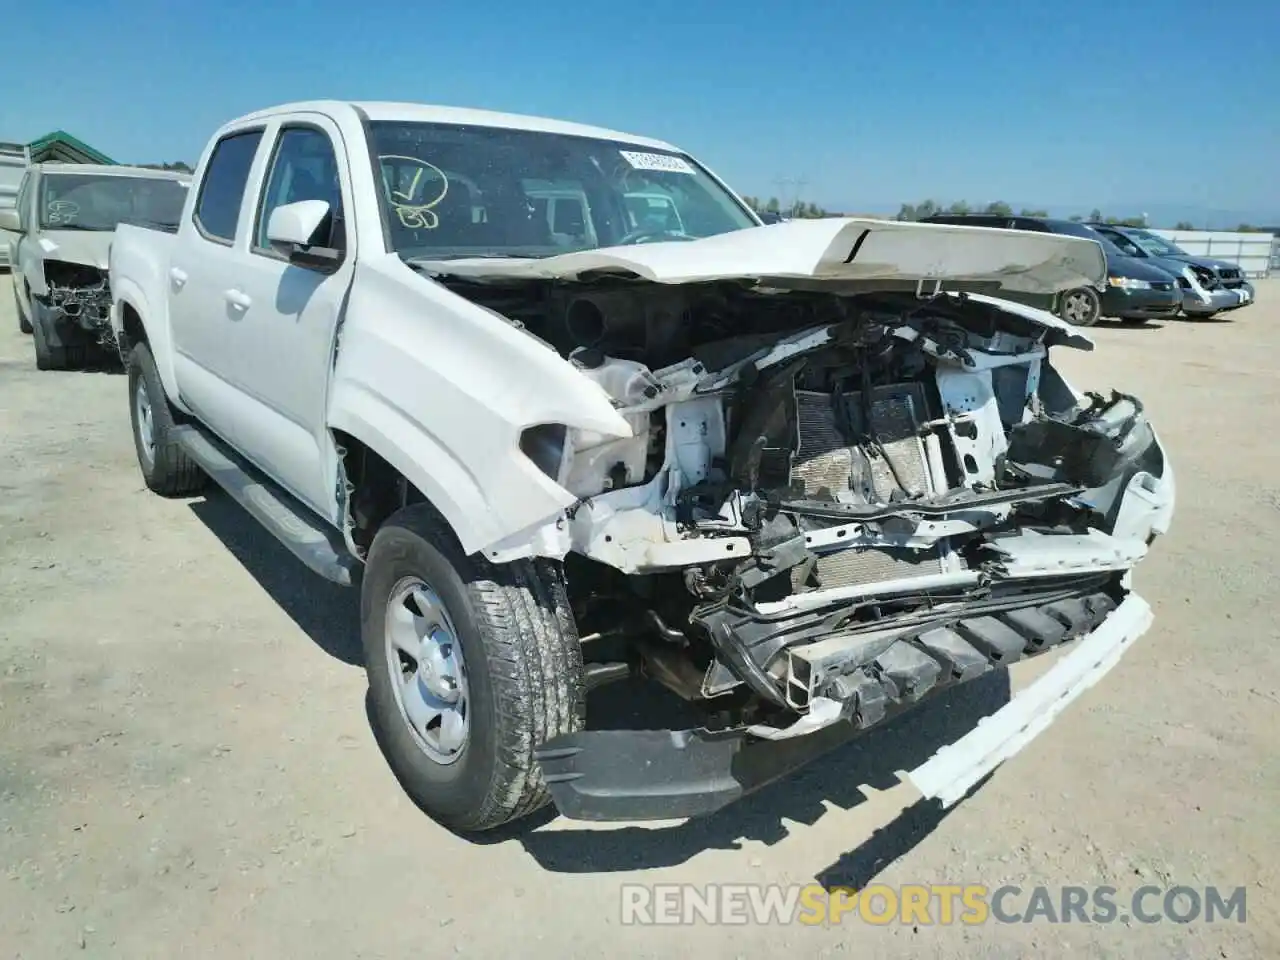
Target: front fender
(443, 389)
(406, 444)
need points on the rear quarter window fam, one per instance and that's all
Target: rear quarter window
(226, 175)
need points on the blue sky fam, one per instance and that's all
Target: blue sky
(1115, 104)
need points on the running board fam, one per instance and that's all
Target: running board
(305, 535)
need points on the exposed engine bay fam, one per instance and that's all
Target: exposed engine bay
(82, 295)
(832, 503)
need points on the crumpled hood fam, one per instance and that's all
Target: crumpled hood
(1214, 265)
(87, 247)
(1217, 265)
(834, 249)
(1060, 332)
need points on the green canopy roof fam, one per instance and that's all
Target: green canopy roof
(61, 147)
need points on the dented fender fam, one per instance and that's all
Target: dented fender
(443, 390)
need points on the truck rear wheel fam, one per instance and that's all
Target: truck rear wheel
(166, 467)
(471, 667)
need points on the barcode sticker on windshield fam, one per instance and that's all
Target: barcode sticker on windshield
(656, 161)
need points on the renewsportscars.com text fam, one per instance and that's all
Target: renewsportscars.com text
(926, 904)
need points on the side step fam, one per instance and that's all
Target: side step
(308, 537)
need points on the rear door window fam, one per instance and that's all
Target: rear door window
(217, 210)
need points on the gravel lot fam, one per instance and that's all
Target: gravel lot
(186, 767)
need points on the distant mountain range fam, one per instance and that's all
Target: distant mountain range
(1164, 215)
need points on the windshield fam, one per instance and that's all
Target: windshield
(1156, 245)
(1070, 229)
(461, 191)
(86, 201)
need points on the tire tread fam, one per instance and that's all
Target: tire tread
(174, 473)
(533, 658)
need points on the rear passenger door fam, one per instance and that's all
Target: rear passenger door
(205, 307)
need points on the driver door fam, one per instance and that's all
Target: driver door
(286, 329)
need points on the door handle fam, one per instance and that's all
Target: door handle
(178, 276)
(241, 301)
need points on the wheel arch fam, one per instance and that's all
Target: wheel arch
(133, 321)
(22, 292)
(382, 453)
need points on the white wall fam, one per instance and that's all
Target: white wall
(13, 164)
(1251, 251)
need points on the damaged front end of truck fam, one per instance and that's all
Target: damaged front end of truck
(77, 297)
(841, 495)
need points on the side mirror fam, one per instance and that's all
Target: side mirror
(295, 230)
(9, 220)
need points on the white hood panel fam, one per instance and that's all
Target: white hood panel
(836, 249)
(87, 247)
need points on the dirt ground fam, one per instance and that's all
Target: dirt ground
(186, 767)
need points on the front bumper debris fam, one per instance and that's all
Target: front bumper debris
(611, 775)
(954, 770)
(1203, 303)
(1245, 291)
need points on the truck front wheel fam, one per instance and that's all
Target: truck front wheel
(24, 324)
(471, 667)
(51, 352)
(165, 465)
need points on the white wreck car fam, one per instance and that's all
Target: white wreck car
(61, 229)
(574, 414)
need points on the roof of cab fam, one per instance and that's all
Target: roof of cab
(428, 113)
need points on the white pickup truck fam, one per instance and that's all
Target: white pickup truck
(61, 227)
(804, 475)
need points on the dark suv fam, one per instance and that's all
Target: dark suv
(1136, 290)
(1208, 285)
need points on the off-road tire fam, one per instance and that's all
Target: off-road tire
(170, 471)
(1086, 295)
(524, 671)
(23, 323)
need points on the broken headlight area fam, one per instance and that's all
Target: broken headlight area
(832, 505)
(81, 294)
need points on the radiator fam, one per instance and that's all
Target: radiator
(828, 467)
